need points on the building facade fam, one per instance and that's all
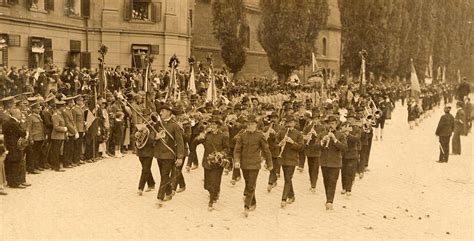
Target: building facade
(69, 32)
(328, 44)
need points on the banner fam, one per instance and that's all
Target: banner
(415, 84)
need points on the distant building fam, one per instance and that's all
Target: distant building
(328, 43)
(69, 31)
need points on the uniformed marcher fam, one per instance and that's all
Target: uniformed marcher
(312, 135)
(58, 135)
(249, 147)
(334, 143)
(145, 155)
(351, 155)
(444, 131)
(169, 151)
(291, 142)
(271, 135)
(215, 159)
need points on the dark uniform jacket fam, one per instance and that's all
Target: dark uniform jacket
(78, 116)
(218, 142)
(353, 143)
(331, 156)
(445, 125)
(12, 131)
(59, 132)
(35, 126)
(70, 122)
(313, 147)
(47, 114)
(291, 151)
(173, 139)
(249, 148)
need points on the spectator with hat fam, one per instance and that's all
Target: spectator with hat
(459, 121)
(79, 119)
(444, 130)
(72, 134)
(35, 127)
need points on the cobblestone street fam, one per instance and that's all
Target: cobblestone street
(406, 194)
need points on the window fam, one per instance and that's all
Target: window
(40, 5)
(41, 52)
(142, 11)
(78, 8)
(139, 53)
(14, 40)
(324, 47)
(245, 35)
(74, 53)
(3, 50)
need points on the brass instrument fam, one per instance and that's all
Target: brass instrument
(310, 134)
(377, 112)
(327, 139)
(269, 131)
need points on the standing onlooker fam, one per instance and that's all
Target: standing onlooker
(459, 121)
(444, 131)
(468, 112)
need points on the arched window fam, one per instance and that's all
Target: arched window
(324, 47)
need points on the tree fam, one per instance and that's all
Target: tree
(228, 23)
(288, 30)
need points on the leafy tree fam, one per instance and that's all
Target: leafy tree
(288, 31)
(228, 21)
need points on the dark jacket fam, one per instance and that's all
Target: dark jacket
(353, 144)
(313, 147)
(12, 131)
(249, 148)
(332, 155)
(460, 121)
(218, 142)
(291, 151)
(173, 139)
(445, 125)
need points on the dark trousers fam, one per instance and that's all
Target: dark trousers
(146, 176)
(13, 168)
(364, 158)
(90, 148)
(78, 148)
(30, 159)
(68, 151)
(444, 148)
(36, 156)
(313, 169)
(250, 177)
(212, 182)
(178, 178)
(54, 153)
(349, 167)
(166, 168)
(276, 170)
(192, 157)
(288, 191)
(330, 176)
(456, 142)
(302, 160)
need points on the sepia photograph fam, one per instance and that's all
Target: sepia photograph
(169, 119)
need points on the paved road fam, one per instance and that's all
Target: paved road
(405, 195)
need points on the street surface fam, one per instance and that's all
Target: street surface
(406, 194)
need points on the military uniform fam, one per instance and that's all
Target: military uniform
(79, 119)
(68, 152)
(36, 130)
(58, 135)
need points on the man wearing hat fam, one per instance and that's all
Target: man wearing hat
(58, 135)
(271, 135)
(249, 147)
(333, 145)
(351, 155)
(444, 131)
(291, 141)
(237, 127)
(46, 115)
(78, 116)
(169, 151)
(459, 121)
(14, 162)
(312, 137)
(35, 128)
(72, 133)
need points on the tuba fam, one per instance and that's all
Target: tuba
(143, 132)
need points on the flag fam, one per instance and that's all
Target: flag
(439, 76)
(459, 76)
(211, 89)
(444, 74)
(90, 119)
(314, 63)
(192, 82)
(363, 81)
(415, 84)
(429, 72)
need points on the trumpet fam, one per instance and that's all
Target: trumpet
(310, 135)
(327, 139)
